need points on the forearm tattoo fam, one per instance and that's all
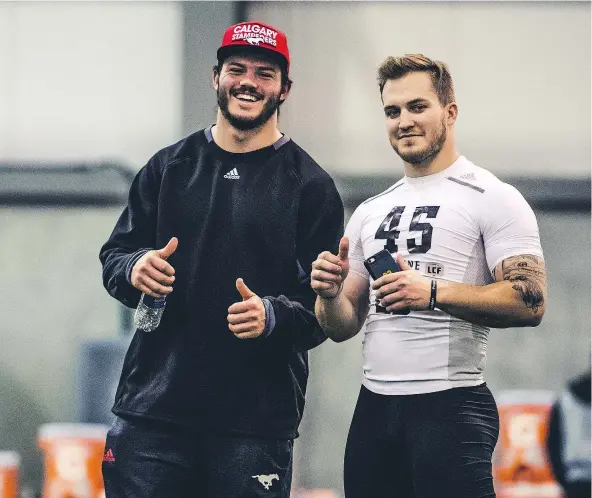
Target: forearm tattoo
(528, 276)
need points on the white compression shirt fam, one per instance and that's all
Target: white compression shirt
(456, 225)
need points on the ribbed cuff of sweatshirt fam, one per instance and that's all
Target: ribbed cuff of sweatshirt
(269, 318)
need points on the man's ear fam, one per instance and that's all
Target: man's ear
(215, 78)
(285, 90)
(451, 113)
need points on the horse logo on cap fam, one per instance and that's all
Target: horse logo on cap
(255, 40)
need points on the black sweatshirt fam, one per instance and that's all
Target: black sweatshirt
(263, 216)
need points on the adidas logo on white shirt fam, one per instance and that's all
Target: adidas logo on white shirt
(232, 174)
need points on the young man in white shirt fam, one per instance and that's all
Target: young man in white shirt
(425, 423)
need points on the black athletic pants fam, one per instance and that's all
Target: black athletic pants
(152, 459)
(435, 445)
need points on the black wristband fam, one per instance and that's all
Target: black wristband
(432, 304)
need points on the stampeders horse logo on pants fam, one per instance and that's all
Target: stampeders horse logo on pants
(267, 480)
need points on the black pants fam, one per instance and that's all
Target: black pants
(435, 445)
(151, 459)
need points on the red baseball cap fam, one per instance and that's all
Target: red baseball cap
(255, 35)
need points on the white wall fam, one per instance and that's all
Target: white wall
(89, 80)
(79, 81)
(521, 69)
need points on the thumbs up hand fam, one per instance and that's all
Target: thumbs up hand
(152, 274)
(246, 319)
(169, 249)
(243, 290)
(329, 271)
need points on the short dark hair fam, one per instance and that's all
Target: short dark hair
(396, 67)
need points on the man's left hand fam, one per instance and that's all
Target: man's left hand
(406, 289)
(246, 319)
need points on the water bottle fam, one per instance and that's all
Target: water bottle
(149, 312)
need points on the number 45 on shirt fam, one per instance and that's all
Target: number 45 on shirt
(391, 234)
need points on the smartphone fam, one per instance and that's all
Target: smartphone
(379, 264)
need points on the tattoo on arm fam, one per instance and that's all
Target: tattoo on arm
(528, 276)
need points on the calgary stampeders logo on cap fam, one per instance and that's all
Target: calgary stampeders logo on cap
(254, 34)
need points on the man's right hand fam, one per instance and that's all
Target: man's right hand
(329, 271)
(152, 274)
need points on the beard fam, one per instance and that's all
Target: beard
(244, 124)
(423, 156)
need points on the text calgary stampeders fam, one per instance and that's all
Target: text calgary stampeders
(262, 33)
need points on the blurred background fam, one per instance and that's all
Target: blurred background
(90, 90)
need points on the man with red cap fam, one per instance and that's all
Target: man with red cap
(225, 224)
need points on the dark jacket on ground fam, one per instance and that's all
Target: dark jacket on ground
(263, 216)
